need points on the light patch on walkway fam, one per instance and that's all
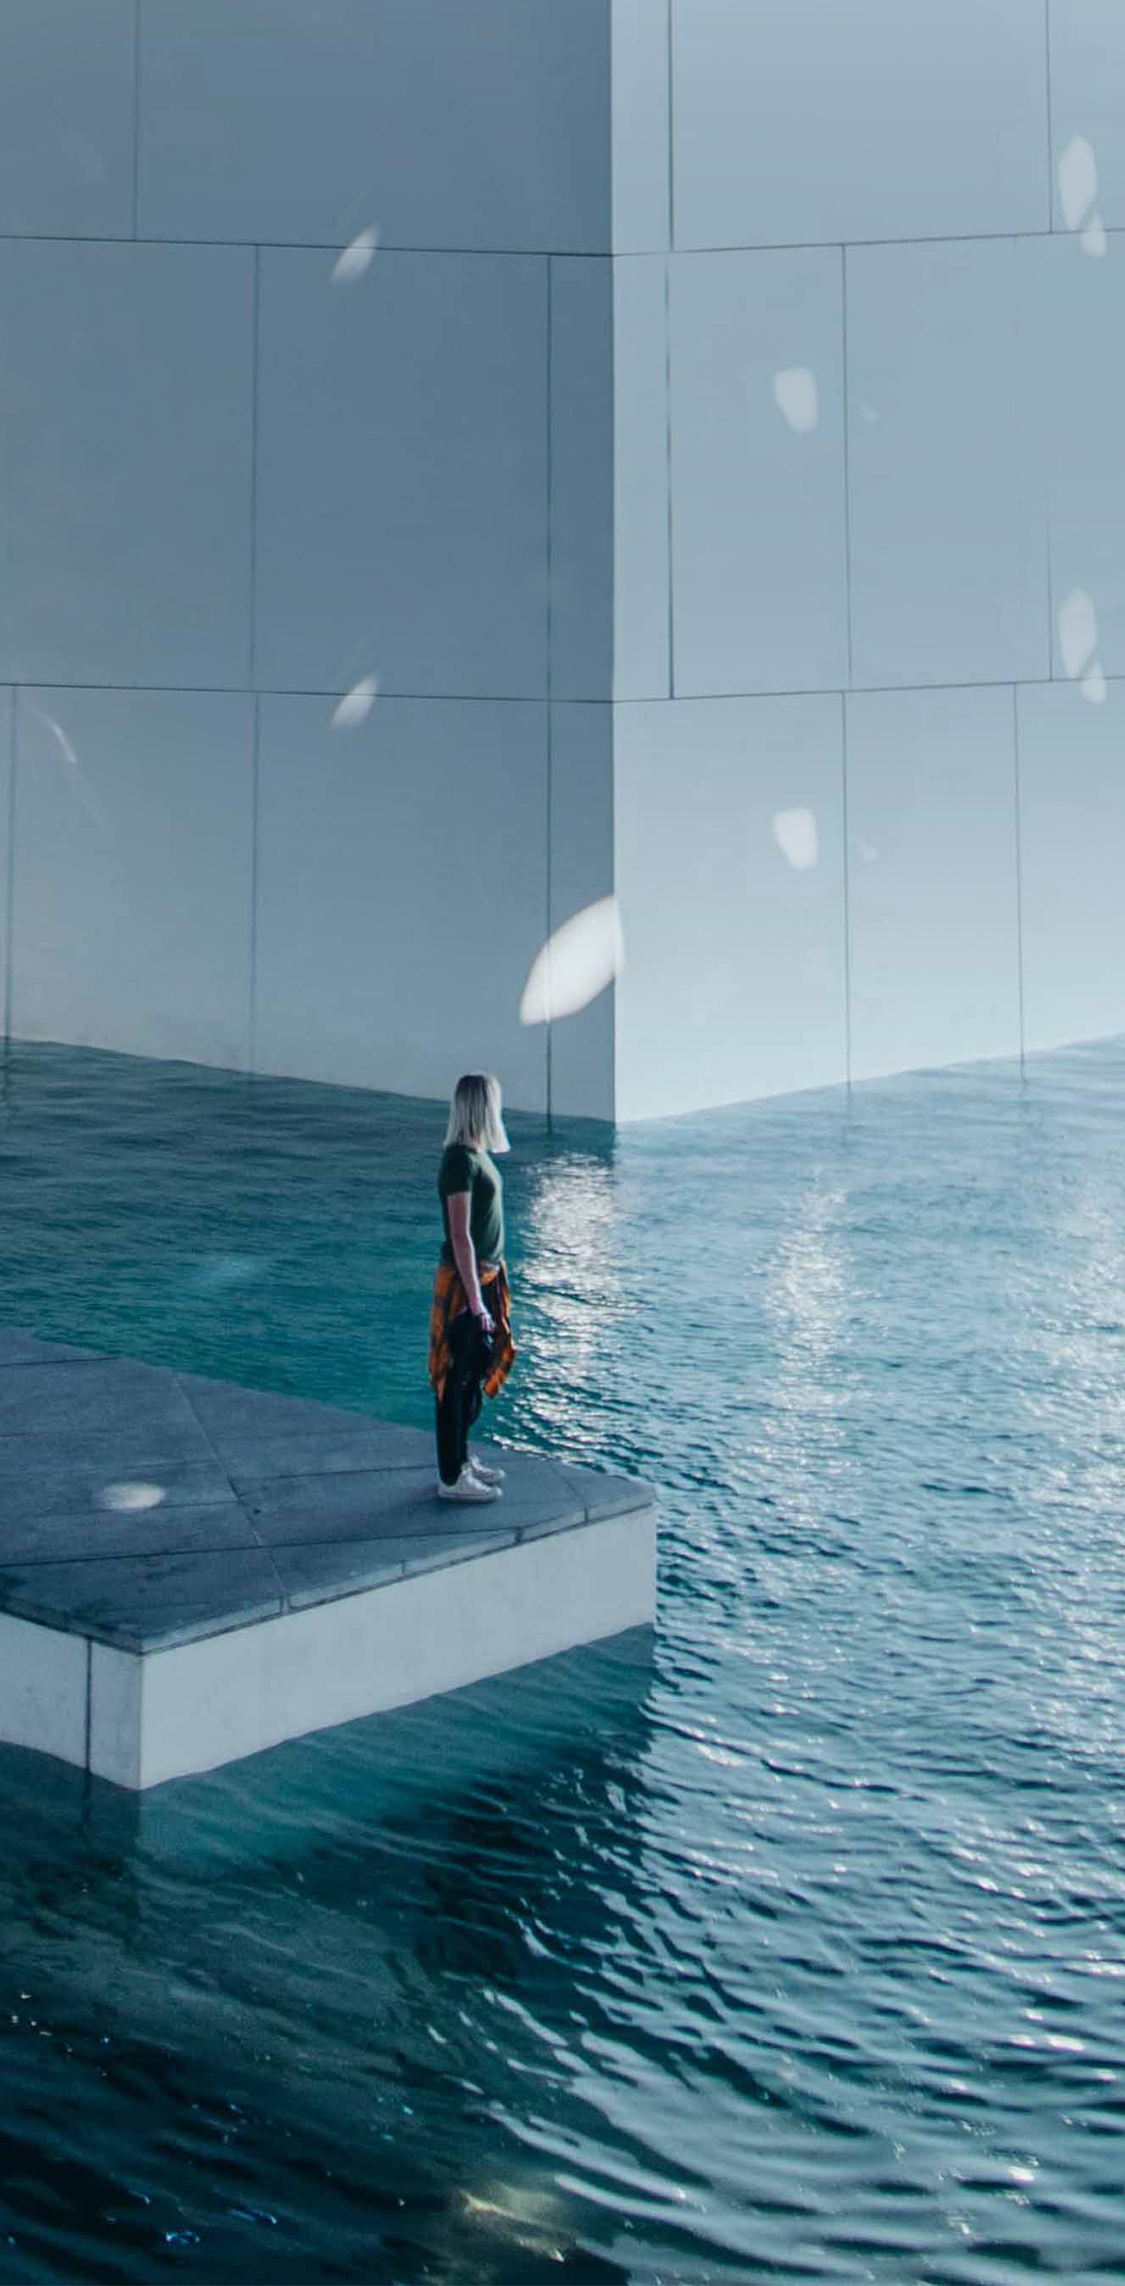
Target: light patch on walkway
(126, 1498)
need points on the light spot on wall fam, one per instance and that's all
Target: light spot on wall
(356, 259)
(356, 705)
(867, 412)
(64, 751)
(575, 964)
(126, 1498)
(1078, 630)
(1078, 638)
(1078, 180)
(866, 851)
(795, 391)
(795, 835)
(1078, 188)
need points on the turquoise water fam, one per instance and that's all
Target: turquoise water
(783, 1941)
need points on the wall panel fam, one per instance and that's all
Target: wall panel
(811, 122)
(758, 546)
(729, 859)
(1072, 833)
(402, 893)
(931, 878)
(125, 435)
(436, 122)
(402, 475)
(132, 871)
(948, 542)
(66, 118)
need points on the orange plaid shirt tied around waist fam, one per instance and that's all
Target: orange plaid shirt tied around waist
(449, 1298)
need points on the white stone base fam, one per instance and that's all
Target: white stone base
(140, 1718)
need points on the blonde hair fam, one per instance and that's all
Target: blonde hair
(475, 1118)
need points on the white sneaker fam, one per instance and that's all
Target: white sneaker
(485, 1470)
(468, 1487)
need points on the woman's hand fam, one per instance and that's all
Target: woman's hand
(484, 1321)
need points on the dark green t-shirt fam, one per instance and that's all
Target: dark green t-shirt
(473, 1171)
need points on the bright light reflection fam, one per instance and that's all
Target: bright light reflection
(808, 1292)
(532, 2220)
(1078, 188)
(795, 392)
(1078, 637)
(1078, 180)
(125, 1498)
(575, 964)
(356, 705)
(571, 1262)
(64, 749)
(795, 834)
(356, 259)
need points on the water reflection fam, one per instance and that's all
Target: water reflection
(571, 1248)
(794, 1930)
(369, 1979)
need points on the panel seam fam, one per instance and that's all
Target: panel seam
(668, 470)
(255, 322)
(9, 930)
(847, 470)
(847, 897)
(1019, 867)
(529, 253)
(252, 1025)
(671, 132)
(548, 1028)
(530, 699)
(137, 121)
(1050, 131)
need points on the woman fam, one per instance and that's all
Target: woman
(471, 1346)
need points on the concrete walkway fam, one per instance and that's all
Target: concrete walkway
(191, 1571)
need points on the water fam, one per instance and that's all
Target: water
(783, 1941)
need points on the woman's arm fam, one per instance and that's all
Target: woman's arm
(464, 1252)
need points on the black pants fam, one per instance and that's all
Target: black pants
(461, 1399)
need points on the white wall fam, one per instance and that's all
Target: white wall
(719, 466)
(869, 363)
(231, 488)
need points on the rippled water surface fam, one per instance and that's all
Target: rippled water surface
(783, 1941)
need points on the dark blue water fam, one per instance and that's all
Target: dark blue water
(786, 1941)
